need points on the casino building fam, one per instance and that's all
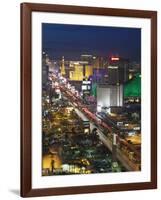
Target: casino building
(118, 71)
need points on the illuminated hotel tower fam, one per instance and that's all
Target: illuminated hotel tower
(63, 67)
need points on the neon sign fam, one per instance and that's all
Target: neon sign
(115, 58)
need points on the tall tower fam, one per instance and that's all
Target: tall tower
(63, 67)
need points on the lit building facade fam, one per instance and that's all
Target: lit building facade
(132, 90)
(78, 70)
(99, 75)
(109, 95)
(62, 71)
(118, 69)
(88, 71)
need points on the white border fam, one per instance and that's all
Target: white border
(92, 179)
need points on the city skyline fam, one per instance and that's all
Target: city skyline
(91, 104)
(71, 41)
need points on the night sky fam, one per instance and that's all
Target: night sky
(71, 41)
